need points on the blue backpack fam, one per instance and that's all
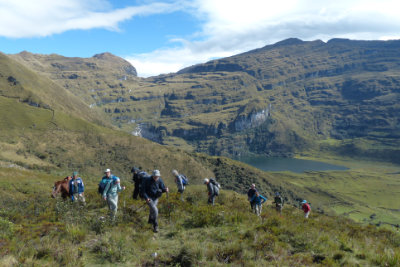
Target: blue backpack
(103, 183)
(185, 180)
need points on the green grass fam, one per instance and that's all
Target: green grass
(38, 230)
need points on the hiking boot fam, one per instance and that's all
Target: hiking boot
(155, 229)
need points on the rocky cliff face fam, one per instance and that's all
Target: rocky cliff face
(253, 120)
(279, 99)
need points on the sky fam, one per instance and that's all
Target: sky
(164, 36)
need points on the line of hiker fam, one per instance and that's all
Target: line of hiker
(151, 187)
(256, 200)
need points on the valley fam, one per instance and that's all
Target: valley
(334, 102)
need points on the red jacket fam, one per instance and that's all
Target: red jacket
(306, 208)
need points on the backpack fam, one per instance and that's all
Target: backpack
(278, 200)
(217, 186)
(143, 176)
(103, 183)
(185, 180)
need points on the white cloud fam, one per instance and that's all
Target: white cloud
(27, 18)
(233, 26)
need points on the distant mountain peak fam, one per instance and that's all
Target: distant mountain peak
(105, 55)
(289, 41)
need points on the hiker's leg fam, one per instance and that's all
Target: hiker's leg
(136, 192)
(212, 199)
(258, 209)
(82, 199)
(153, 211)
(306, 214)
(112, 201)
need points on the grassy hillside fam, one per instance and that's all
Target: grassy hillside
(282, 99)
(19, 82)
(40, 231)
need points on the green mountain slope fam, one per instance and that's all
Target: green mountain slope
(291, 97)
(59, 137)
(19, 82)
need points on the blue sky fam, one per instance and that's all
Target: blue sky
(165, 36)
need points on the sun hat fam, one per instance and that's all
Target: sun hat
(304, 201)
(107, 170)
(74, 173)
(175, 172)
(156, 173)
(206, 180)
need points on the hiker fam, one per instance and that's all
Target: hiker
(306, 208)
(153, 187)
(112, 186)
(258, 201)
(137, 180)
(180, 181)
(213, 189)
(76, 188)
(250, 195)
(278, 201)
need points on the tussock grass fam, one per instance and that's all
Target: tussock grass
(49, 232)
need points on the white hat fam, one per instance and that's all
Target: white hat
(156, 173)
(206, 180)
(107, 170)
(175, 172)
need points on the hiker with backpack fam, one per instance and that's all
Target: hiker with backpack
(109, 188)
(250, 194)
(153, 188)
(181, 182)
(76, 188)
(213, 189)
(278, 201)
(137, 180)
(306, 208)
(258, 201)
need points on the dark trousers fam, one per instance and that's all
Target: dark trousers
(136, 191)
(211, 199)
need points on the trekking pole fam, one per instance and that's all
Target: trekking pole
(140, 207)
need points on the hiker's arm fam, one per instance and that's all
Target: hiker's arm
(210, 189)
(162, 186)
(264, 199)
(106, 190)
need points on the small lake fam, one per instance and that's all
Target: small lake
(274, 164)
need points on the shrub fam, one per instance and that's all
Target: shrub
(112, 248)
(229, 253)
(203, 216)
(185, 258)
(7, 228)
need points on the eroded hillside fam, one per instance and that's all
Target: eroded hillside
(285, 98)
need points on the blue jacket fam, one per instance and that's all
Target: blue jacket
(153, 189)
(113, 185)
(81, 187)
(258, 200)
